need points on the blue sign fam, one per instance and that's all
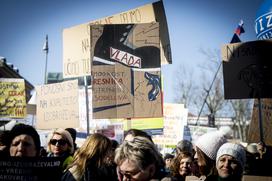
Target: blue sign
(263, 22)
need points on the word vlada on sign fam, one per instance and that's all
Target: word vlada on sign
(125, 58)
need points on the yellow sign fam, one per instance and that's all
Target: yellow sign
(12, 98)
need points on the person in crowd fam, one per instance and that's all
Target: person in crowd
(230, 162)
(184, 146)
(138, 160)
(114, 145)
(130, 134)
(258, 155)
(4, 144)
(181, 167)
(207, 146)
(167, 161)
(91, 161)
(61, 145)
(43, 152)
(24, 141)
(73, 133)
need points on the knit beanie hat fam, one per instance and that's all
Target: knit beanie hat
(235, 150)
(20, 129)
(210, 142)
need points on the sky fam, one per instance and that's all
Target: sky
(192, 25)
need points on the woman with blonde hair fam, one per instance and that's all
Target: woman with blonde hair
(60, 144)
(91, 161)
(138, 159)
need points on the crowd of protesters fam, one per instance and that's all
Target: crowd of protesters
(212, 157)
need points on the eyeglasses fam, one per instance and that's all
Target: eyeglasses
(60, 142)
(129, 175)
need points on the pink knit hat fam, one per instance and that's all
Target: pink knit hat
(210, 142)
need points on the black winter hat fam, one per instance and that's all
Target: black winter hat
(20, 129)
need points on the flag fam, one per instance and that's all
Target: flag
(45, 46)
(238, 31)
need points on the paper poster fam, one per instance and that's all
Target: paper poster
(175, 118)
(57, 105)
(12, 98)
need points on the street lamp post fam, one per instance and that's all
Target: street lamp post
(46, 50)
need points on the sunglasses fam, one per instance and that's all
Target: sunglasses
(60, 142)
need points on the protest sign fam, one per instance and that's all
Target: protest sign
(153, 126)
(12, 98)
(57, 105)
(77, 39)
(254, 129)
(113, 131)
(174, 120)
(30, 169)
(76, 51)
(82, 110)
(247, 69)
(126, 71)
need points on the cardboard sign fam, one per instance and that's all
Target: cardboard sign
(254, 178)
(247, 70)
(35, 169)
(76, 51)
(126, 71)
(77, 39)
(254, 130)
(12, 98)
(57, 105)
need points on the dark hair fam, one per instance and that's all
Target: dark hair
(114, 144)
(167, 156)
(4, 137)
(72, 132)
(207, 166)
(20, 129)
(4, 141)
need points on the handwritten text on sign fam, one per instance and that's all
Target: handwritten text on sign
(57, 105)
(12, 98)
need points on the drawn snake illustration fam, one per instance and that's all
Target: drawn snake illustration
(153, 80)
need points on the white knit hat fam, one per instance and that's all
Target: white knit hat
(235, 150)
(210, 142)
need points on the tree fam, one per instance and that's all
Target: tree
(212, 88)
(209, 94)
(242, 109)
(184, 87)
